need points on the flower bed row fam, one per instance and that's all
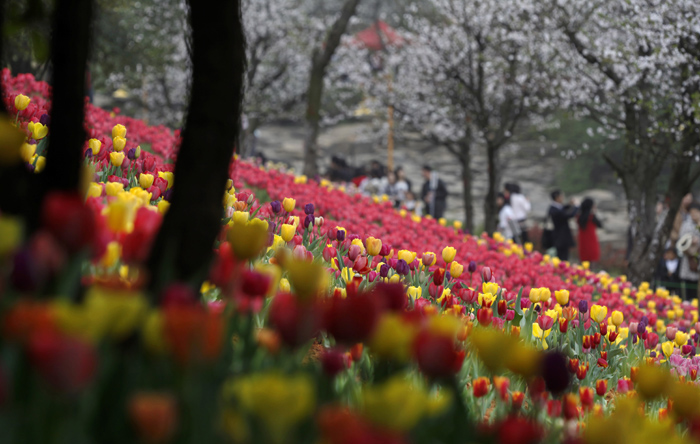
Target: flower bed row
(325, 316)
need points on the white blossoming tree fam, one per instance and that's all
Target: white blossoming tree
(471, 72)
(634, 67)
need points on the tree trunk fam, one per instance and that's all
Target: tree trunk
(321, 59)
(490, 210)
(183, 248)
(465, 158)
(70, 45)
(649, 236)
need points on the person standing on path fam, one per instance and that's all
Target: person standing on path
(507, 223)
(521, 208)
(434, 193)
(588, 245)
(560, 214)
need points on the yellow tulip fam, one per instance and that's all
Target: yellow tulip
(12, 230)
(652, 381)
(95, 146)
(116, 158)
(617, 318)
(456, 269)
(119, 131)
(534, 295)
(169, 176)
(111, 256)
(146, 180)
(306, 278)
(393, 338)
(490, 287)
(285, 287)
(114, 313)
(598, 313)
(374, 246)
(120, 216)
(667, 348)
(287, 232)
(448, 254)
(562, 297)
(415, 292)
(681, 338)
(457, 224)
(289, 204)
(408, 256)
(249, 239)
(240, 217)
(27, 152)
(118, 143)
(22, 102)
(279, 401)
(114, 188)
(94, 190)
(545, 294)
(40, 164)
(163, 206)
(38, 130)
(529, 247)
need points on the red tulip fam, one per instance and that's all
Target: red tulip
(66, 217)
(601, 387)
(480, 387)
(437, 355)
(295, 321)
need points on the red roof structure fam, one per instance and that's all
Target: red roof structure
(378, 36)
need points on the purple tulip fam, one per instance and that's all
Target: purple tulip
(88, 153)
(402, 267)
(472, 267)
(309, 208)
(341, 236)
(384, 270)
(583, 306)
(276, 206)
(45, 119)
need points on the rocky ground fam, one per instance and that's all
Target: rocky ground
(530, 165)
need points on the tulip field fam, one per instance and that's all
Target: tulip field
(325, 317)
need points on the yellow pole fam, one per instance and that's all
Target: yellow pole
(390, 140)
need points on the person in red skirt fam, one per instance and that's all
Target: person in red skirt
(588, 245)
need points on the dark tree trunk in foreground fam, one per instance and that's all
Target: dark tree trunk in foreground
(490, 207)
(465, 159)
(184, 244)
(321, 59)
(70, 44)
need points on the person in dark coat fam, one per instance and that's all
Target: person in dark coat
(434, 193)
(560, 214)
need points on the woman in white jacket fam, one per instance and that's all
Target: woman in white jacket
(507, 222)
(521, 208)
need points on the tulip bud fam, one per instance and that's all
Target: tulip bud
(118, 131)
(601, 387)
(116, 158)
(22, 102)
(456, 269)
(287, 232)
(448, 254)
(289, 204)
(472, 267)
(428, 259)
(146, 180)
(95, 145)
(583, 307)
(486, 274)
(439, 276)
(502, 306)
(319, 221)
(275, 206)
(309, 208)
(402, 267)
(118, 143)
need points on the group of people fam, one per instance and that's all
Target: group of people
(560, 236)
(376, 179)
